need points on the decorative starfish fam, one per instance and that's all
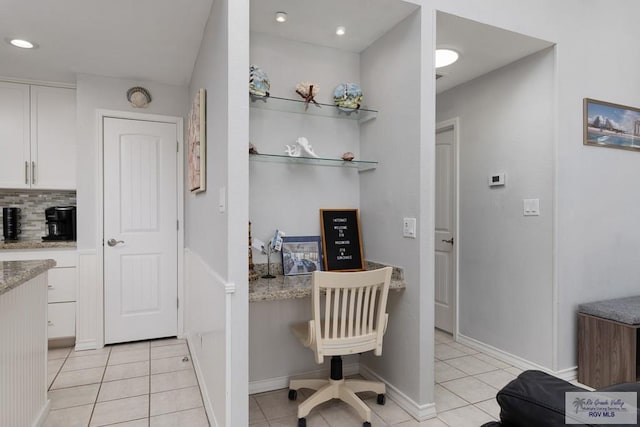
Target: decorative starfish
(308, 97)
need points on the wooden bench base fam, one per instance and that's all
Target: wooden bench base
(607, 351)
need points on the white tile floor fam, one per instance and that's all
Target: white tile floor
(149, 383)
(466, 385)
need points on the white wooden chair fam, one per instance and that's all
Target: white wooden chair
(349, 316)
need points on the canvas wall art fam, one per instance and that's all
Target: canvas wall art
(197, 143)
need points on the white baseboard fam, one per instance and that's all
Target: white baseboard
(203, 389)
(42, 416)
(278, 383)
(86, 345)
(417, 411)
(568, 374)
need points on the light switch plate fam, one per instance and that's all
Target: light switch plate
(409, 228)
(531, 207)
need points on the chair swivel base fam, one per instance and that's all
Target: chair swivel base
(345, 390)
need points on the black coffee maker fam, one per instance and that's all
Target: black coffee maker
(11, 224)
(61, 223)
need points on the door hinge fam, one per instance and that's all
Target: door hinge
(177, 147)
(177, 302)
(178, 225)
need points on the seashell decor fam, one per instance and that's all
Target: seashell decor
(348, 156)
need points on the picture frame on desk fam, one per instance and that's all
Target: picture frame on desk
(301, 255)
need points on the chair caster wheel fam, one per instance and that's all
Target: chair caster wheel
(381, 399)
(293, 395)
(366, 424)
(302, 422)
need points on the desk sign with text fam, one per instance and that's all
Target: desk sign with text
(341, 242)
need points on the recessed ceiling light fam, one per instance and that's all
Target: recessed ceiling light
(281, 16)
(24, 44)
(341, 31)
(445, 57)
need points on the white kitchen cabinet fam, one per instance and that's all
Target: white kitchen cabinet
(14, 135)
(53, 138)
(62, 284)
(37, 137)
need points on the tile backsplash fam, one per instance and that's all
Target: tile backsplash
(32, 204)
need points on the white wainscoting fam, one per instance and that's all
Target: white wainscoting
(23, 358)
(207, 323)
(87, 309)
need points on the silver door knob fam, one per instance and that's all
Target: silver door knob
(113, 242)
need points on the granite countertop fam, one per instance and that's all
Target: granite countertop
(36, 245)
(15, 273)
(291, 287)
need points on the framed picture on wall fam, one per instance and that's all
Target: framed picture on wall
(611, 125)
(301, 255)
(197, 143)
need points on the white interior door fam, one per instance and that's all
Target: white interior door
(140, 230)
(445, 254)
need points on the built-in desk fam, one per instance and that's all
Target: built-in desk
(299, 286)
(275, 354)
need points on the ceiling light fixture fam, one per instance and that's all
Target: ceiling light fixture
(446, 57)
(341, 31)
(281, 17)
(23, 44)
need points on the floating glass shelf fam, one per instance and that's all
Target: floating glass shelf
(298, 106)
(361, 165)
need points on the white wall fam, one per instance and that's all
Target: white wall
(93, 93)
(218, 240)
(391, 74)
(593, 244)
(505, 259)
(288, 196)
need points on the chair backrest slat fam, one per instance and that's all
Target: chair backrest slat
(336, 303)
(358, 318)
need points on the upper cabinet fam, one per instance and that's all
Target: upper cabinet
(53, 138)
(14, 135)
(37, 137)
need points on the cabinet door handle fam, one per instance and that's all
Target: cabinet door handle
(33, 172)
(26, 172)
(49, 322)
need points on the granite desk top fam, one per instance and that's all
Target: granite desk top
(15, 273)
(36, 245)
(291, 287)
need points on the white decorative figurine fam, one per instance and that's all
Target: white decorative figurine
(302, 143)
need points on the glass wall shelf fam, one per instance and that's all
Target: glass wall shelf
(298, 106)
(361, 165)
